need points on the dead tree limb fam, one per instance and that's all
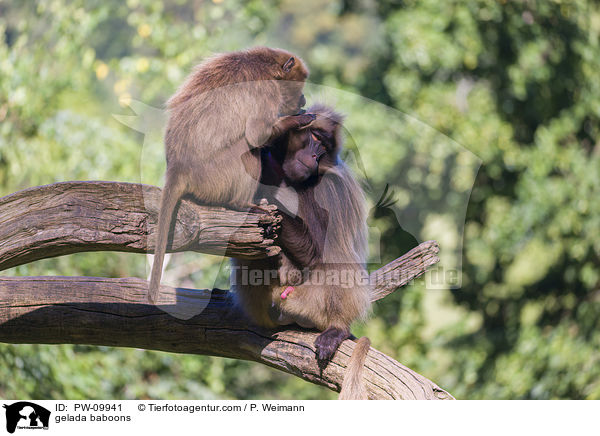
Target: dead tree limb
(114, 312)
(71, 217)
(405, 269)
(86, 216)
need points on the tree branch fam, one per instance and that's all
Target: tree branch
(404, 269)
(71, 217)
(114, 312)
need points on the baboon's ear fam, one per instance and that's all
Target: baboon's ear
(289, 64)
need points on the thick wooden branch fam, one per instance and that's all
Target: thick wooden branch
(114, 312)
(71, 217)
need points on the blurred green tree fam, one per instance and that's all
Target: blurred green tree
(515, 83)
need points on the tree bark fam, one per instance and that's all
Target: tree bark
(404, 269)
(71, 217)
(114, 312)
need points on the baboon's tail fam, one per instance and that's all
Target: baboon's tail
(353, 387)
(171, 194)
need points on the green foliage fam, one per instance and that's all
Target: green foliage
(513, 83)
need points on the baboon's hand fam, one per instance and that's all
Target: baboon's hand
(303, 120)
(291, 122)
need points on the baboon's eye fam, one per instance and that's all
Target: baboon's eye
(322, 136)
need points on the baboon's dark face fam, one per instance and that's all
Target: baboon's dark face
(305, 149)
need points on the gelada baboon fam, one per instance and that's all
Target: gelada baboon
(229, 106)
(321, 281)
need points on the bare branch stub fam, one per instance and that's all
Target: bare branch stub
(406, 268)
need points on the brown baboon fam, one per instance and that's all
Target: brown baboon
(228, 107)
(321, 282)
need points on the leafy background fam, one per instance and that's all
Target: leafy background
(514, 83)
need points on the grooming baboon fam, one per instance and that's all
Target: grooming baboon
(230, 105)
(322, 282)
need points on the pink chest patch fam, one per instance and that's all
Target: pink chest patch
(287, 291)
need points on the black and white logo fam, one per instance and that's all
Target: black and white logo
(26, 415)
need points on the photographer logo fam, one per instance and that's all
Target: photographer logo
(26, 415)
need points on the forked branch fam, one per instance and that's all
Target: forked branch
(86, 216)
